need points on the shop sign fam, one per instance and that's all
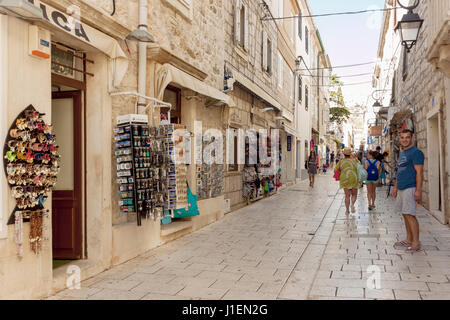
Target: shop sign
(62, 21)
(289, 143)
(376, 131)
(71, 24)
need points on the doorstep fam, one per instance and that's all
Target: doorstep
(175, 226)
(88, 268)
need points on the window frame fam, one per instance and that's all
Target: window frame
(280, 70)
(306, 97)
(269, 57)
(300, 88)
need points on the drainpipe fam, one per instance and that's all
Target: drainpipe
(142, 55)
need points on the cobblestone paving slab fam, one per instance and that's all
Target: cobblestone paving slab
(297, 244)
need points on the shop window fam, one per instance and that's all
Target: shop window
(172, 95)
(63, 62)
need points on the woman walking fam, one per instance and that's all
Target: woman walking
(312, 167)
(373, 168)
(348, 179)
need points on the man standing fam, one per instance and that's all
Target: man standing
(408, 188)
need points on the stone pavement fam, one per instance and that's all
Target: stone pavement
(297, 244)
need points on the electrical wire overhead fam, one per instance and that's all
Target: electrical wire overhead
(333, 14)
(344, 66)
(346, 76)
(345, 85)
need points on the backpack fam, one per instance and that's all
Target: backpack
(372, 170)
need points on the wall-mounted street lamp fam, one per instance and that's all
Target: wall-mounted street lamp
(409, 26)
(377, 105)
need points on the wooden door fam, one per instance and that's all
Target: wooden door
(66, 203)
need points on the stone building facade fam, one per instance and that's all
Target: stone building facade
(185, 60)
(197, 45)
(417, 93)
(254, 57)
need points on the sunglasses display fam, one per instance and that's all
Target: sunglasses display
(149, 182)
(31, 167)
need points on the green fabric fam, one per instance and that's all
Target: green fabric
(349, 174)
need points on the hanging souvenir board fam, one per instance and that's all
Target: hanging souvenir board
(181, 168)
(134, 161)
(31, 167)
(209, 180)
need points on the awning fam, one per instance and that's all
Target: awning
(167, 74)
(255, 89)
(90, 36)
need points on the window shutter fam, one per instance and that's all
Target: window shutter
(306, 39)
(270, 64)
(300, 86)
(300, 27)
(245, 22)
(237, 21)
(264, 50)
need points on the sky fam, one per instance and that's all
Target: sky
(350, 39)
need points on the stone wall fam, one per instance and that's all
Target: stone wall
(422, 85)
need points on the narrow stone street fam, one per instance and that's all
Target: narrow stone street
(298, 244)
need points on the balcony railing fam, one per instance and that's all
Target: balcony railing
(438, 14)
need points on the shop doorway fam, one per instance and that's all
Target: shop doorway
(435, 166)
(67, 194)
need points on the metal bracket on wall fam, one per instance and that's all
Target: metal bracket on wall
(156, 103)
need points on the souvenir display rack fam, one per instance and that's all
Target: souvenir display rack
(133, 165)
(31, 168)
(31, 165)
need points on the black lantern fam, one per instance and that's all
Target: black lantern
(376, 107)
(409, 26)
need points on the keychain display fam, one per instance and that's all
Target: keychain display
(31, 167)
(209, 179)
(149, 181)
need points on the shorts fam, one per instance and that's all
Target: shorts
(370, 181)
(406, 204)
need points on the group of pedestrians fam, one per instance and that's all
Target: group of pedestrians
(354, 169)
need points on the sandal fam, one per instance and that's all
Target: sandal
(411, 249)
(402, 244)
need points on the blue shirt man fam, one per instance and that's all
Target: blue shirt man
(406, 174)
(408, 189)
